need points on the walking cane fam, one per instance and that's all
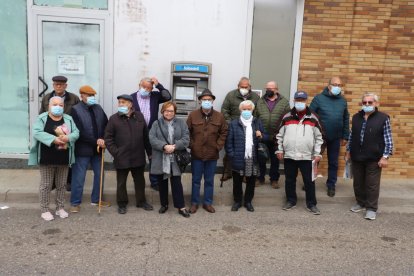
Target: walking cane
(101, 178)
(222, 175)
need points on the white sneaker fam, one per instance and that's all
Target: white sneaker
(62, 213)
(370, 215)
(357, 208)
(47, 216)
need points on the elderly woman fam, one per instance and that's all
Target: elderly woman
(167, 135)
(54, 136)
(241, 147)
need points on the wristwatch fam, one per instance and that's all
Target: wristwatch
(385, 156)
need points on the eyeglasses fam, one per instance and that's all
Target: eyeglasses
(337, 84)
(169, 111)
(367, 102)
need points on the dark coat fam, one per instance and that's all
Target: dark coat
(181, 141)
(156, 98)
(127, 140)
(88, 133)
(207, 134)
(236, 140)
(333, 114)
(70, 100)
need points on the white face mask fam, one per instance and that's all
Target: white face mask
(244, 91)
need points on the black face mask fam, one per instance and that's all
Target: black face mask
(269, 93)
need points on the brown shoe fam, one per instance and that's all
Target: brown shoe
(275, 184)
(225, 177)
(193, 209)
(209, 208)
(244, 179)
(259, 183)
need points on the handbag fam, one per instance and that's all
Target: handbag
(263, 152)
(182, 157)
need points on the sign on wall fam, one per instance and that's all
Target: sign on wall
(71, 64)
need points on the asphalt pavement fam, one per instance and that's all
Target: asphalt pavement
(269, 241)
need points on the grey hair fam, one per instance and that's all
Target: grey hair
(56, 97)
(370, 94)
(244, 79)
(336, 77)
(146, 79)
(247, 102)
(275, 82)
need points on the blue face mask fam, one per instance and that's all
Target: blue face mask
(144, 93)
(206, 104)
(56, 110)
(336, 90)
(123, 110)
(368, 108)
(91, 100)
(246, 114)
(300, 106)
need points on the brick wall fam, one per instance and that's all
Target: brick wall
(370, 44)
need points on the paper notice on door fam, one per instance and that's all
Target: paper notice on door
(314, 170)
(71, 64)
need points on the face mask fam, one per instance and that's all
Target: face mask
(244, 91)
(246, 114)
(336, 90)
(91, 100)
(368, 108)
(123, 110)
(300, 106)
(143, 92)
(206, 104)
(269, 93)
(56, 110)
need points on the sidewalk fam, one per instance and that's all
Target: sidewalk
(397, 195)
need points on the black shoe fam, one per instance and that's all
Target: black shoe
(331, 192)
(163, 209)
(236, 206)
(249, 206)
(155, 188)
(303, 188)
(146, 206)
(184, 213)
(122, 210)
(68, 187)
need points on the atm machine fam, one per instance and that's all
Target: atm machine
(188, 80)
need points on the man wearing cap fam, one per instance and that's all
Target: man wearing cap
(147, 101)
(332, 110)
(208, 132)
(91, 121)
(126, 137)
(59, 89)
(299, 142)
(231, 111)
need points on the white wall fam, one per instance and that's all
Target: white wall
(150, 34)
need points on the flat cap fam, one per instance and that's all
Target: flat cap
(301, 95)
(60, 79)
(86, 89)
(206, 92)
(125, 97)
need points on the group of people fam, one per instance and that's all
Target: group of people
(75, 133)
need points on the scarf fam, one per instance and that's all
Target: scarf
(168, 158)
(248, 146)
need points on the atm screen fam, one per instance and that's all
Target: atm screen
(185, 93)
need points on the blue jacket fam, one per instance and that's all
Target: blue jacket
(156, 98)
(81, 114)
(40, 136)
(333, 114)
(236, 140)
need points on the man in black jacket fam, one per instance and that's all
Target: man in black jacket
(91, 121)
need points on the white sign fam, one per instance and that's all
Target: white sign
(71, 64)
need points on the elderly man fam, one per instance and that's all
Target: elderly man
(147, 101)
(369, 147)
(269, 109)
(230, 110)
(91, 121)
(126, 137)
(300, 142)
(332, 110)
(208, 132)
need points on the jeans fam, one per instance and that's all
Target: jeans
(367, 176)
(78, 178)
(274, 164)
(139, 185)
(333, 154)
(238, 188)
(291, 173)
(176, 191)
(198, 169)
